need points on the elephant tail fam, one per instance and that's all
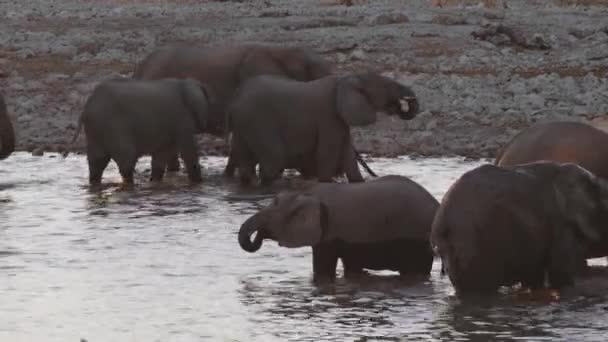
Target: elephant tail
(499, 154)
(78, 129)
(364, 164)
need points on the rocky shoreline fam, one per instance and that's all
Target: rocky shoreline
(483, 70)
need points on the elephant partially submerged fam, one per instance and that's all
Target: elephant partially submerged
(124, 119)
(224, 68)
(383, 224)
(498, 226)
(560, 141)
(281, 123)
(7, 133)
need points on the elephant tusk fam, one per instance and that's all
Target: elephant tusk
(404, 104)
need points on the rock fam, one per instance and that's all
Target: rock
(38, 152)
(358, 55)
(449, 19)
(387, 18)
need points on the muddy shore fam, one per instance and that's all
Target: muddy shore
(483, 70)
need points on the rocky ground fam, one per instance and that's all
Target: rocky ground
(483, 69)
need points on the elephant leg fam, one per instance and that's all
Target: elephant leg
(189, 154)
(173, 162)
(351, 269)
(231, 163)
(329, 156)
(126, 165)
(98, 161)
(272, 164)
(324, 262)
(350, 165)
(159, 161)
(242, 159)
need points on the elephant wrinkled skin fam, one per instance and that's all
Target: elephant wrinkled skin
(383, 224)
(281, 123)
(498, 226)
(224, 68)
(7, 133)
(124, 119)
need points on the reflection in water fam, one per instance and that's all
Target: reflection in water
(161, 262)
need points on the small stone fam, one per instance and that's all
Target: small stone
(38, 152)
(388, 18)
(447, 19)
(358, 55)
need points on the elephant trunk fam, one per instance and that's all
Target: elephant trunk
(247, 229)
(7, 135)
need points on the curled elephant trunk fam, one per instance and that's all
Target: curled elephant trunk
(408, 104)
(7, 135)
(247, 229)
(409, 107)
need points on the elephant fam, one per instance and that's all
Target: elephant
(502, 225)
(383, 224)
(560, 141)
(282, 123)
(124, 119)
(224, 68)
(7, 133)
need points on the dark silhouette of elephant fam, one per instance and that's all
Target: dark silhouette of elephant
(383, 224)
(281, 123)
(498, 226)
(560, 141)
(7, 133)
(124, 119)
(224, 68)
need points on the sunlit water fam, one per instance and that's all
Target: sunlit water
(162, 263)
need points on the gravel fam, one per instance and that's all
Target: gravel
(481, 72)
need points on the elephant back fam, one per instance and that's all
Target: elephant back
(565, 142)
(387, 208)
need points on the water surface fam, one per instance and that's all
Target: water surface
(162, 263)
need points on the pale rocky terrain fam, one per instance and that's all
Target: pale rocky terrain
(483, 70)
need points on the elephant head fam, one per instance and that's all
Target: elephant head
(198, 98)
(296, 63)
(292, 219)
(7, 134)
(360, 96)
(582, 199)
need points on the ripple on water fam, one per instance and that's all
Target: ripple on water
(162, 262)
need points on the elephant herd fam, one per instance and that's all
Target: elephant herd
(533, 217)
(282, 107)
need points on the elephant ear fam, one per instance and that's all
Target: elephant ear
(198, 98)
(576, 193)
(306, 222)
(352, 102)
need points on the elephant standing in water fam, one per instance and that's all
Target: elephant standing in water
(562, 141)
(224, 68)
(124, 119)
(7, 133)
(383, 224)
(498, 226)
(281, 123)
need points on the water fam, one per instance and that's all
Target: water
(162, 263)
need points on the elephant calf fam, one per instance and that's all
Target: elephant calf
(383, 224)
(498, 226)
(7, 134)
(282, 123)
(124, 119)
